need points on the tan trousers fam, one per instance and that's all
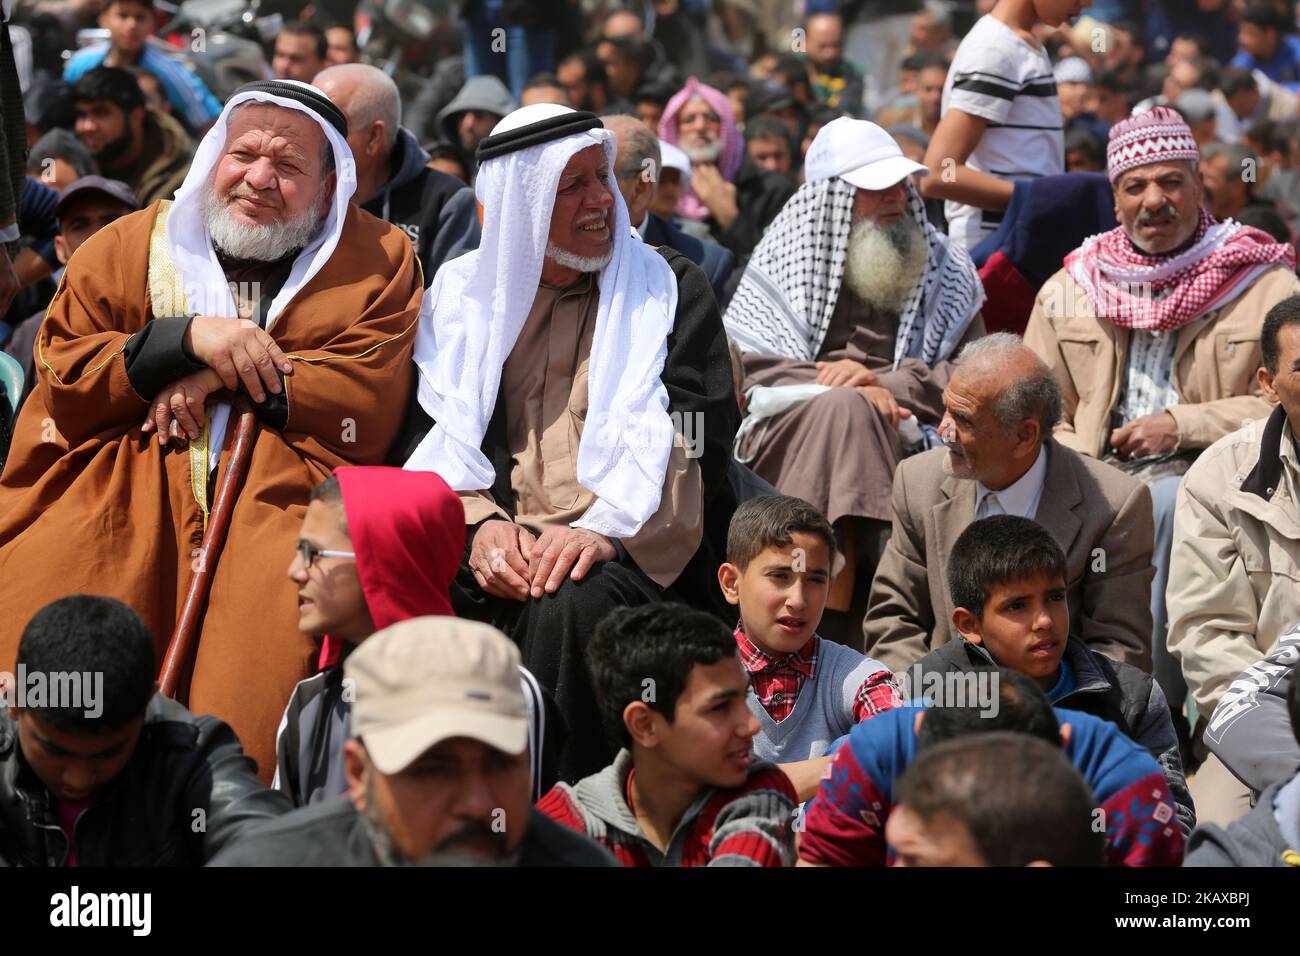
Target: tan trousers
(1220, 797)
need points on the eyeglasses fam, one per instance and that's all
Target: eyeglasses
(309, 553)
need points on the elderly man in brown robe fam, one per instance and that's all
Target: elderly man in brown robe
(261, 279)
(846, 319)
(581, 400)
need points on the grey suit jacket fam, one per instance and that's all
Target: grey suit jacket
(1099, 516)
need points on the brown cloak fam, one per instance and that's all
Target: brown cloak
(89, 504)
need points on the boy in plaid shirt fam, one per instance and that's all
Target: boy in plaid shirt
(804, 691)
(685, 790)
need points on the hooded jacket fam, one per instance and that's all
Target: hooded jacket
(438, 212)
(145, 815)
(1113, 691)
(487, 94)
(407, 530)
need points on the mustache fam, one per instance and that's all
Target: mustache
(1167, 211)
(473, 833)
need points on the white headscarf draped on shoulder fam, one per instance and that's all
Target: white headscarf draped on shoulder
(478, 303)
(203, 280)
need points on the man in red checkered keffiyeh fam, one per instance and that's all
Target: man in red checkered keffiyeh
(1163, 292)
(1153, 330)
(1163, 269)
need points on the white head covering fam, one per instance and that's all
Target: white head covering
(675, 158)
(207, 291)
(479, 302)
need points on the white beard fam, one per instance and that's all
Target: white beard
(262, 243)
(710, 153)
(883, 264)
(569, 260)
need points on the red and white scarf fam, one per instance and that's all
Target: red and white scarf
(1159, 293)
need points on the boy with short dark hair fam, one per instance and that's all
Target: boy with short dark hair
(805, 691)
(1006, 577)
(1043, 815)
(685, 789)
(130, 24)
(377, 546)
(97, 768)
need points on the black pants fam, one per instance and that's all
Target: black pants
(552, 633)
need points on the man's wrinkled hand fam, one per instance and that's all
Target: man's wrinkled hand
(560, 549)
(844, 372)
(498, 558)
(715, 192)
(1146, 436)
(885, 402)
(240, 352)
(178, 410)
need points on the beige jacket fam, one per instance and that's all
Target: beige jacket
(1234, 577)
(1099, 516)
(1214, 362)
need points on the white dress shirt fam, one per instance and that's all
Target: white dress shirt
(1019, 498)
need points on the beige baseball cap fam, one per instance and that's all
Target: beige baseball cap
(428, 679)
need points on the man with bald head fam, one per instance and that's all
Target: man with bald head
(260, 283)
(394, 182)
(1000, 458)
(636, 170)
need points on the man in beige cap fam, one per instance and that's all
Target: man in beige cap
(437, 768)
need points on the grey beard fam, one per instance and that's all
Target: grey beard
(883, 264)
(569, 260)
(389, 854)
(704, 154)
(265, 243)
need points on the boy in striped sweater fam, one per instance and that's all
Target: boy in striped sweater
(684, 789)
(804, 691)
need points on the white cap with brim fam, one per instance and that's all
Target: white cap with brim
(675, 158)
(396, 746)
(429, 679)
(860, 153)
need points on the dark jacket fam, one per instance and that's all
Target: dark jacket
(438, 212)
(717, 261)
(332, 833)
(187, 792)
(1120, 693)
(1254, 840)
(759, 197)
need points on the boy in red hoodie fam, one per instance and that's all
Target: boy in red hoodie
(377, 546)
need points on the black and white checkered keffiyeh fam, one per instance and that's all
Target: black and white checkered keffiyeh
(787, 295)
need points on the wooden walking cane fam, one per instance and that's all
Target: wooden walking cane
(178, 664)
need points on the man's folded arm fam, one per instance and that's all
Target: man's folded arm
(346, 399)
(81, 348)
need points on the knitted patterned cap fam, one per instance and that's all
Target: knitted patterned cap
(1158, 136)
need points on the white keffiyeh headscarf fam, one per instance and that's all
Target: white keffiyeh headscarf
(478, 304)
(785, 300)
(203, 280)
